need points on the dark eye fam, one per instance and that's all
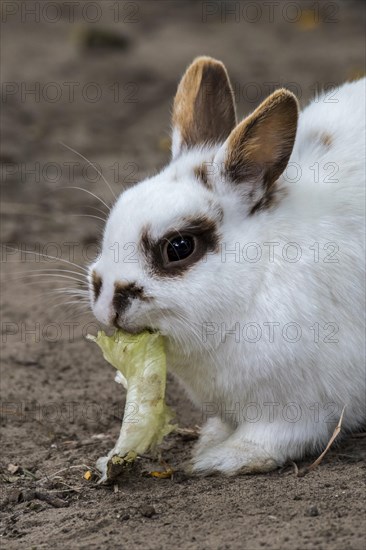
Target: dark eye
(179, 248)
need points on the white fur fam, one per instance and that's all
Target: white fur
(260, 379)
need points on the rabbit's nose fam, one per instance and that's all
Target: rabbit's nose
(124, 294)
(121, 300)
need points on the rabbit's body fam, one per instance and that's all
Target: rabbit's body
(265, 327)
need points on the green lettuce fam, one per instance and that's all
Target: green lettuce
(141, 362)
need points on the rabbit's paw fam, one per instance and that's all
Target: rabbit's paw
(233, 458)
(211, 434)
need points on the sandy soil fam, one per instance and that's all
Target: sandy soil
(60, 406)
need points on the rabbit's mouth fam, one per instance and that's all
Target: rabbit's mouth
(130, 327)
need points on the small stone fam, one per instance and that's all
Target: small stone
(14, 469)
(312, 511)
(147, 511)
(14, 496)
(36, 506)
(27, 495)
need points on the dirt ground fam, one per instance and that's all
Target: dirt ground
(100, 79)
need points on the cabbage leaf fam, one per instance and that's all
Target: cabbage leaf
(141, 362)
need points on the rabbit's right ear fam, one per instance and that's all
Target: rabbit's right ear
(257, 152)
(204, 109)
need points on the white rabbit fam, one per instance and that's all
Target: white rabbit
(247, 252)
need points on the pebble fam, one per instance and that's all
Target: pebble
(312, 511)
(147, 511)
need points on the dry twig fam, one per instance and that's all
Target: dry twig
(315, 464)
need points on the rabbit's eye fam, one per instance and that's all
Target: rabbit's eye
(179, 248)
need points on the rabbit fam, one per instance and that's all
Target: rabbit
(248, 255)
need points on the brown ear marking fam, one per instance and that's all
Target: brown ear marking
(207, 239)
(204, 109)
(264, 140)
(97, 285)
(269, 200)
(259, 148)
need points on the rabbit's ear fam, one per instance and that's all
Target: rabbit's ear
(258, 150)
(204, 110)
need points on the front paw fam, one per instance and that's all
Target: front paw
(232, 459)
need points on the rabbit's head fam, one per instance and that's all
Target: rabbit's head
(161, 265)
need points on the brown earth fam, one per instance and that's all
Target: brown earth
(60, 406)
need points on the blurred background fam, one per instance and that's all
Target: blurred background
(100, 77)
(97, 79)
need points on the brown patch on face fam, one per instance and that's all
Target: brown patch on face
(202, 230)
(97, 285)
(201, 174)
(260, 147)
(326, 139)
(124, 294)
(204, 110)
(323, 137)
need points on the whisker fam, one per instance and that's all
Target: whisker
(33, 286)
(49, 257)
(81, 315)
(39, 275)
(75, 306)
(46, 270)
(65, 293)
(82, 294)
(60, 298)
(97, 209)
(75, 300)
(91, 164)
(69, 302)
(88, 216)
(70, 314)
(85, 191)
(36, 283)
(179, 233)
(67, 290)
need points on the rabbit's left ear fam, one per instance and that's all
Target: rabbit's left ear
(258, 150)
(204, 110)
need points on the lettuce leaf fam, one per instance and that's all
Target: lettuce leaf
(141, 361)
